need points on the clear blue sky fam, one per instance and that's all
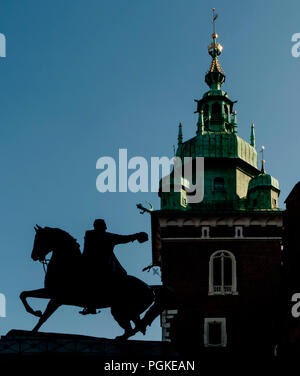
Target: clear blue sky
(84, 78)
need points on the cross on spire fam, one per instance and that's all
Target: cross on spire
(215, 16)
(215, 76)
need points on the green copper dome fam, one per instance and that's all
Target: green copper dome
(218, 145)
(263, 180)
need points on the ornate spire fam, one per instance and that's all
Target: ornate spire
(215, 76)
(180, 134)
(263, 171)
(252, 137)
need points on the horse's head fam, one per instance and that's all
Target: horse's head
(48, 239)
(41, 245)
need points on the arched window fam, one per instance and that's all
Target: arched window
(219, 184)
(205, 111)
(226, 112)
(216, 110)
(206, 115)
(222, 273)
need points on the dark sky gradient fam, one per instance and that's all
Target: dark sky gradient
(83, 78)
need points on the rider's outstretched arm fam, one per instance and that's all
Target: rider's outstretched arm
(122, 239)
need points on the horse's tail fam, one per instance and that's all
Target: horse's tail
(164, 298)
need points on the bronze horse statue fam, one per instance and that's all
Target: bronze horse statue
(64, 285)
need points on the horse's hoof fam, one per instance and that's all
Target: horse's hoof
(141, 328)
(37, 313)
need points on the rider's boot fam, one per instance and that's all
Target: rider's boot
(89, 311)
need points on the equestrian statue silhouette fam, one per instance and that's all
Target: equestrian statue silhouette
(94, 279)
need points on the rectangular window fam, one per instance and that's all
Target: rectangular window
(215, 332)
(238, 231)
(205, 232)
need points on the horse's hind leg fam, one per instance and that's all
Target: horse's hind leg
(50, 309)
(123, 321)
(40, 293)
(138, 326)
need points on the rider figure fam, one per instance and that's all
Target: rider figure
(100, 258)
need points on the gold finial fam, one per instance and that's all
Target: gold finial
(214, 49)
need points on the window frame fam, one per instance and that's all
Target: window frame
(205, 232)
(210, 320)
(239, 232)
(222, 289)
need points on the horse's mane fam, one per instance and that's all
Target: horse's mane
(63, 236)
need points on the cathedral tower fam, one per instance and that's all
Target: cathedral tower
(221, 255)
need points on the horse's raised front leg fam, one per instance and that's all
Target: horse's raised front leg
(40, 293)
(51, 308)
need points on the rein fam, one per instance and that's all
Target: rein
(45, 263)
